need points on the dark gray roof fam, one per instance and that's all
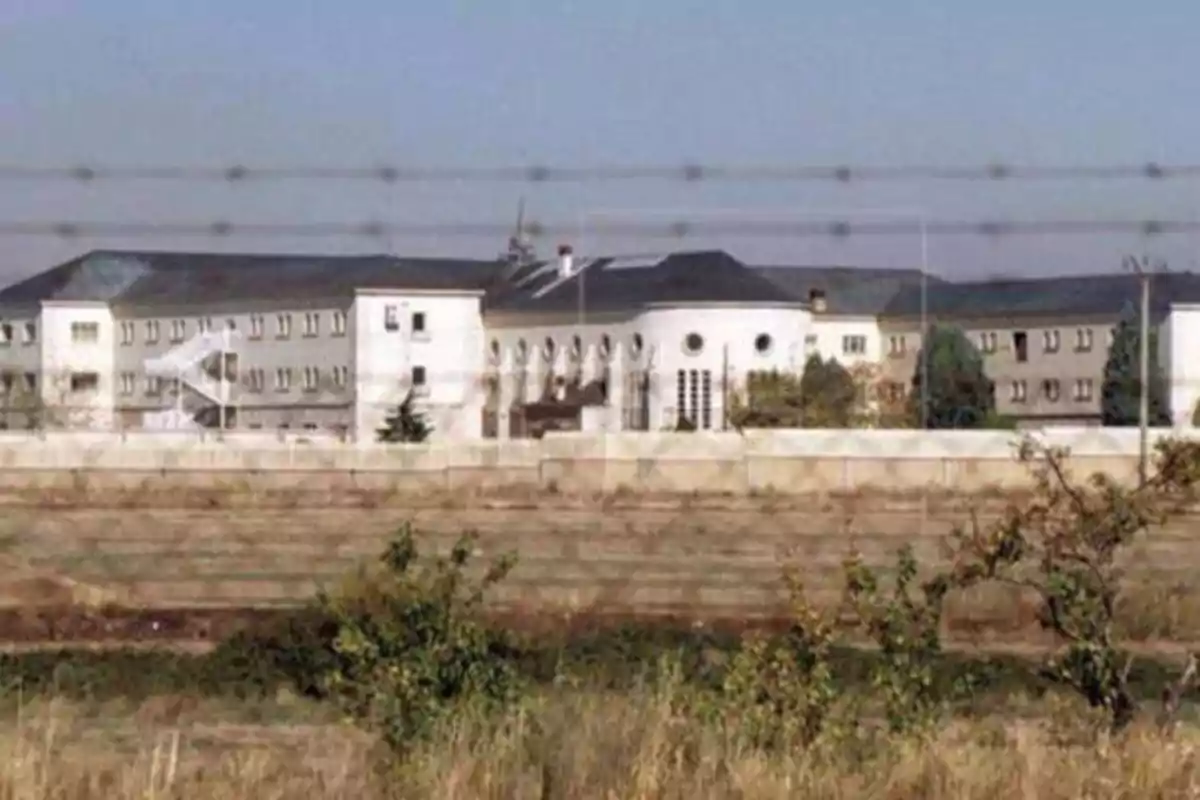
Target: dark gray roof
(848, 290)
(136, 277)
(1075, 295)
(627, 282)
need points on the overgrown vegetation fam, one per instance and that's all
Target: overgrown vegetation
(1121, 388)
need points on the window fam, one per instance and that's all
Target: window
(418, 323)
(341, 376)
(283, 326)
(152, 331)
(204, 324)
(339, 323)
(897, 346)
(1083, 339)
(854, 345)
(283, 379)
(605, 346)
(128, 382)
(178, 329)
(153, 385)
(85, 381)
(1017, 391)
(31, 381)
(312, 324)
(7, 381)
(6, 333)
(391, 320)
(30, 332)
(1050, 341)
(257, 380)
(312, 379)
(1020, 346)
(693, 398)
(127, 333)
(636, 345)
(762, 344)
(1083, 389)
(85, 331)
(256, 326)
(576, 346)
(988, 342)
(548, 348)
(693, 343)
(810, 343)
(1051, 389)
(419, 379)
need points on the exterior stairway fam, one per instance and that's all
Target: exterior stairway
(190, 364)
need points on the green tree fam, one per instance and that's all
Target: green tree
(1120, 392)
(959, 394)
(405, 425)
(825, 395)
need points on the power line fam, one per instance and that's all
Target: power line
(545, 173)
(679, 229)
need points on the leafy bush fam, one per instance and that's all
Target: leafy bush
(405, 425)
(410, 647)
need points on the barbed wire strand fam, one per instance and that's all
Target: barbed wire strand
(679, 229)
(543, 173)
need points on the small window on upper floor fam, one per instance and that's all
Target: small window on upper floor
(339, 323)
(1020, 340)
(897, 346)
(419, 379)
(6, 333)
(152, 331)
(128, 332)
(30, 332)
(85, 332)
(283, 326)
(204, 324)
(1051, 340)
(283, 379)
(178, 330)
(85, 381)
(418, 323)
(312, 324)
(854, 345)
(341, 376)
(1084, 338)
(391, 318)
(988, 342)
(257, 323)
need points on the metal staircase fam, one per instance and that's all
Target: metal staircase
(191, 365)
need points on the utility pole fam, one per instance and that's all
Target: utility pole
(1143, 268)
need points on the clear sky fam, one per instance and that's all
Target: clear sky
(358, 82)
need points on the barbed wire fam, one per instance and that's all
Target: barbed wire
(544, 173)
(679, 229)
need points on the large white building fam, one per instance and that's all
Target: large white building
(121, 339)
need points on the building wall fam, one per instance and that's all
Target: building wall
(1053, 383)
(1179, 361)
(67, 357)
(388, 361)
(294, 399)
(849, 340)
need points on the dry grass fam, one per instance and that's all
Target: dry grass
(588, 745)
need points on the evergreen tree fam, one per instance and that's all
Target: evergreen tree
(1120, 392)
(828, 394)
(405, 425)
(959, 394)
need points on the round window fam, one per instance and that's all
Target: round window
(762, 343)
(693, 343)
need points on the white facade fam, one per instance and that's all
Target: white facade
(1179, 362)
(77, 355)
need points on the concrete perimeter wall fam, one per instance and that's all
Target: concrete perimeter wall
(808, 461)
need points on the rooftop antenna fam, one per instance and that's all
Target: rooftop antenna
(520, 250)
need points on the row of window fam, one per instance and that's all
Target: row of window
(8, 333)
(256, 380)
(283, 327)
(1051, 390)
(550, 347)
(989, 342)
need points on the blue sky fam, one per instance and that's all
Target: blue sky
(127, 82)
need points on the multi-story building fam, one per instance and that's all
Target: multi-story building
(160, 340)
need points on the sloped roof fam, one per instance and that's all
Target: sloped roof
(146, 277)
(851, 291)
(627, 282)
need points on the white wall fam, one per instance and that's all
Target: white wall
(451, 350)
(729, 334)
(61, 356)
(1179, 355)
(830, 333)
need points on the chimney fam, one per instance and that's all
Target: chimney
(566, 260)
(816, 299)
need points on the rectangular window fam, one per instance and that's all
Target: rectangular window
(153, 385)
(312, 324)
(152, 331)
(128, 383)
(85, 332)
(85, 381)
(283, 326)
(418, 323)
(283, 379)
(339, 323)
(988, 342)
(419, 379)
(178, 330)
(1018, 391)
(391, 319)
(256, 326)
(1084, 388)
(897, 346)
(30, 332)
(810, 343)
(693, 398)
(31, 381)
(1051, 389)
(1020, 346)
(1083, 339)
(312, 379)
(127, 333)
(6, 333)
(341, 376)
(1050, 341)
(204, 324)
(854, 345)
